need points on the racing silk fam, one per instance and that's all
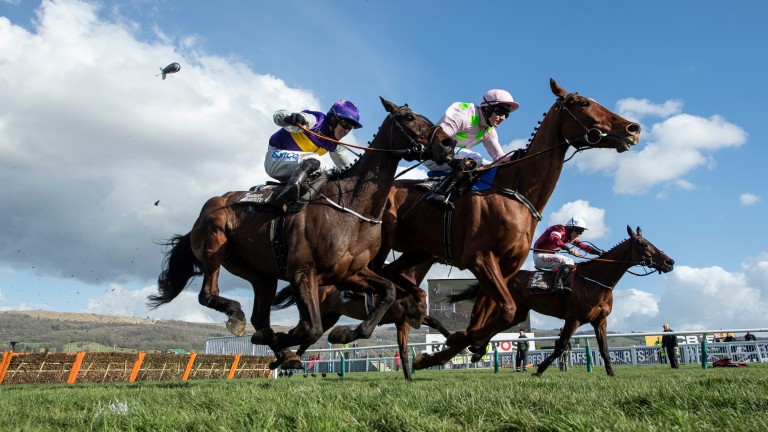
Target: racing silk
(554, 239)
(302, 141)
(465, 122)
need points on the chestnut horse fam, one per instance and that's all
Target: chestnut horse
(335, 303)
(329, 242)
(490, 232)
(591, 300)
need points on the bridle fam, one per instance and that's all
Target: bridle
(414, 151)
(561, 103)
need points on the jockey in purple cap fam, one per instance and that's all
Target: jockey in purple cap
(294, 154)
(471, 125)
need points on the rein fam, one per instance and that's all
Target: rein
(416, 149)
(566, 142)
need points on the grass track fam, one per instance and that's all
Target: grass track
(649, 398)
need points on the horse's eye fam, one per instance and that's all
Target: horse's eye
(584, 103)
(409, 117)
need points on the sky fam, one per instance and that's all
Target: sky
(91, 138)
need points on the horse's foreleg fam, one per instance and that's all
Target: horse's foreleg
(492, 283)
(212, 256)
(403, 329)
(406, 273)
(361, 282)
(601, 329)
(569, 328)
(437, 325)
(309, 328)
(521, 314)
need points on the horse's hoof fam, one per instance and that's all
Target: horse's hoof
(476, 357)
(262, 337)
(422, 361)
(236, 326)
(457, 339)
(293, 364)
(341, 335)
(537, 374)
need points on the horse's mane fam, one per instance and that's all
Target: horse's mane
(337, 173)
(590, 262)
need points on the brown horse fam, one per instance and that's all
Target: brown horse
(490, 232)
(329, 243)
(592, 298)
(335, 303)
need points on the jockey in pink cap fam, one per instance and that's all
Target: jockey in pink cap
(470, 125)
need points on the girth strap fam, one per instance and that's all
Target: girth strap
(447, 246)
(277, 237)
(523, 200)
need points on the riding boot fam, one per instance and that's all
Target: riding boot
(562, 285)
(442, 193)
(292, 189)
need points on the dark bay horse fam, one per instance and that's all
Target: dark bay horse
(490, 232)
(592, 298)
(334, 304)
(330, 242)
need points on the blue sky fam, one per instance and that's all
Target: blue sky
(90, 138)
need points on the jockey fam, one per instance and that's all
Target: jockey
(470, 125)
(555, 238)
(294, 154)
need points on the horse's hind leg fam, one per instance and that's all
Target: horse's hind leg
(569, 328)
(361, 282)
(209, 243)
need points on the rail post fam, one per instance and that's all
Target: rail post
(343, 372)
(496, 361)
(704, 353)
(589, 357)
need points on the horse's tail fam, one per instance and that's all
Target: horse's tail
(283, 299)
(468, 294)
(179, 266)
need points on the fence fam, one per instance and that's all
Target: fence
(24, 368)
(381, 357)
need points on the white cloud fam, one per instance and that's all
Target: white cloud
(92, 138)
(675, 147)
(636, 109)
(748, 199)
(711, 297)
(593, 216)
(669, 149)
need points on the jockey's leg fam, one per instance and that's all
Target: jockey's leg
(292, 189)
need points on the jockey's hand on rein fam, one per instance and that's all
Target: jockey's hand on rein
(296, 119)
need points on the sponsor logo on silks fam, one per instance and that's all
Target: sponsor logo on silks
(285, 155)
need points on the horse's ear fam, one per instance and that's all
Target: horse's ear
(557, 90)
(629, 231)
(389, 106)
(639, 232)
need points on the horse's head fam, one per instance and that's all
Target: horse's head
(587, 124)
(420, 138)
(647, 254)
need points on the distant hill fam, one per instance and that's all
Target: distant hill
(72, 332)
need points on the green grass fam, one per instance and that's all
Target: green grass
(649, 398)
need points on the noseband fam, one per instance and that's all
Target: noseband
(415, 150)
(588, 132)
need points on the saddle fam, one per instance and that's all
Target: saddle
(265, 194)
(543, 281)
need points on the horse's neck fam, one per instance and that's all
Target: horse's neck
(612, 265)
(365, 187)
(537, 177)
